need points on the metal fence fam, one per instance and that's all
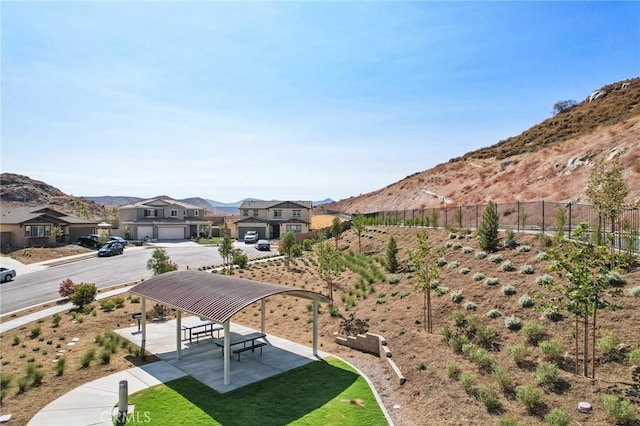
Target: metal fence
(537, 216)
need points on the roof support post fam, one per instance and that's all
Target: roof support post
(143, 307)
(227, 354)
(315, 327)
(262, 308)
(178, 336)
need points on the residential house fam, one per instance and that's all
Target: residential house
(272, 219)
(41, 226)
(163, 218)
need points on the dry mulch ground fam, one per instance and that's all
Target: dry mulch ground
(395, 311)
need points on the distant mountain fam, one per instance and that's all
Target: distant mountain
(321, 202)
(116, 201)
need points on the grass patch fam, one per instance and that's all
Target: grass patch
(316, 393)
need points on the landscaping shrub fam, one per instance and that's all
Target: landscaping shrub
(489, 397)
(478, 276)
(551, 349)
(470, 306)
(66, 288)
(60, 364)
(488, 238)
(519, 352)
(545, 280)
(618, 409)
(35, 331)
(635, 291)
(508, 290)
(393, 279)
(496, 258)
(453, 265)
(512, 322)
(491, 281)
(533, 331)
(83, 294)
(482, 358)
(465, 271)
(557, 417)
(552, 313)
(615, 279)
(453, 370)
(543, 255)
(526, 269)
(467, 381)
(467, 250)
(507, 266)
(507, 420)
(484, 335)
(608, 344)
(107, 305)
(493, 313)
(525, 301)
(56, 320)
(524, 248)
(634, 357)
(528, 395)
(503, 378)
(87, 357)
(481, 254)
(546, 373)
(456, 296)
(441, 290)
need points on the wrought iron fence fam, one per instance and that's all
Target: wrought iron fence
(539, 216)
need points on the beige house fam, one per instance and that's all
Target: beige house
(163, 218)
(272, 219)
(41, 226)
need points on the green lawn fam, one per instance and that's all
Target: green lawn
(318, 393)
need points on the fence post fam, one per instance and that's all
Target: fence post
(569, 236)
(476, 216)
(542, 216)
(518, 216)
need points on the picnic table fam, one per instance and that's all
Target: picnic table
(200, 329)
(243, 340)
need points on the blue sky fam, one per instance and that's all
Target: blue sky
(287, 100)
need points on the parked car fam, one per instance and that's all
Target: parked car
(6, 274)
(251, 237)
(91, 241)
(111, 249)
(263, 245)
(119, 240)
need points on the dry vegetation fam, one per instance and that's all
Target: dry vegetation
(429, 396)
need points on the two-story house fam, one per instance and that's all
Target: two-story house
(163, 218)
(272, 219)
(31, 226)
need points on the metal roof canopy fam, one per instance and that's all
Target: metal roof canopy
(213, 296)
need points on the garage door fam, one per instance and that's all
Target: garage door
(171, 233)
(145, 231)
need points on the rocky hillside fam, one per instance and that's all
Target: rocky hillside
(21, 190)
(552, 160)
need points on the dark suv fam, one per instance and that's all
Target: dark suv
(91, 241)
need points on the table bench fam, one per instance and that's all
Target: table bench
(243, 339)
(208, 329)
(253, 347)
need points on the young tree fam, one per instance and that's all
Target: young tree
(57, 232)
(562, 106)
(226, 251)
(286, 246)
(336, 230)
(83, 294)
(159, 263)
(488, 230)
(561, 218)
(424, 260)
(357, 224)
(584, 267)
(392, 254)
(457, 216)
(329, 265)
(606, 191)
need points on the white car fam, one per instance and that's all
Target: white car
(6, 275)
(251, 237)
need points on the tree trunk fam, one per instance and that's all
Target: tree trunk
(576, 342)
(585, 369)
(426, 315)
(430, 325)
(593, 344)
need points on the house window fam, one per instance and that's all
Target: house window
(245, 212)
(296, 213)
(149, 213)
(37, 230)
(294, 228)
(277, 213)
(255, 213)
(196, 212)
(174, 213)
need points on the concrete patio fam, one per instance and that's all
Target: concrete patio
(204, 361)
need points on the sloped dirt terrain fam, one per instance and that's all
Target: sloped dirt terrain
(430, 396)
